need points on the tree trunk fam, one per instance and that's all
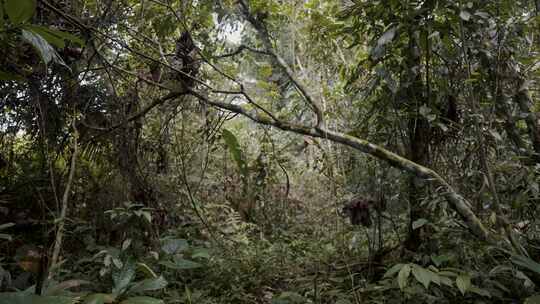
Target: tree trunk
(419, 133)
(127, 146)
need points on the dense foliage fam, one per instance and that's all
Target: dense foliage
(250, 151)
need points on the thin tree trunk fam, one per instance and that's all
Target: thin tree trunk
(524, 101)
(63, 211)
(419, 133)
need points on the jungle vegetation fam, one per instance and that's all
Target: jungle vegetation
(269, 151)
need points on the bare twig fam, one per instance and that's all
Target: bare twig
(239, 50)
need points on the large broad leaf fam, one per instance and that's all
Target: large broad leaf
(6, 225)
(46, 52)
(61, 287)
(99, 298)
(446, 281)
(55, 37)
(403, 275)
(172, 246)
(142, 300)
(419, 223)
(466, 16)
(123, 277)
(24, 298)
(181, 264)
(202, 253)
(424, 276)
(149, 285)
(20, 11)
(236, 151)
(379, 49)
(463, 282)
(526, 262)
(387, 37)
(438, 260)
(390, 272)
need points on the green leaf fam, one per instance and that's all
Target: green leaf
(186, 264)
(480, 291)
(149, 285)
(123, 277)
(463, 282)
(20, 11)
(526, 263)
(236, 151)
(172, 246)
(390, 272)
(147, 216)
(435, 277)
(180, 264)
(24, 298)
(403, 275)
(148, 272)
(466, 16)
(6, 225)
(387, 37)
(99, 298)
(423, 275)
(438, 260)
(200, 253)
(45, 50)
(57, 289)
(50, 36)
(448, 273)
(533, 300)
(142, 300)
(116, 261)
(446, 281)
(495, 135)
(419, 223)
(54, 36)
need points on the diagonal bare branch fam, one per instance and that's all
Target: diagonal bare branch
(460, 204)
(279, 62)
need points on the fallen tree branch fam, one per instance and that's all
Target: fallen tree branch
(459, 203)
